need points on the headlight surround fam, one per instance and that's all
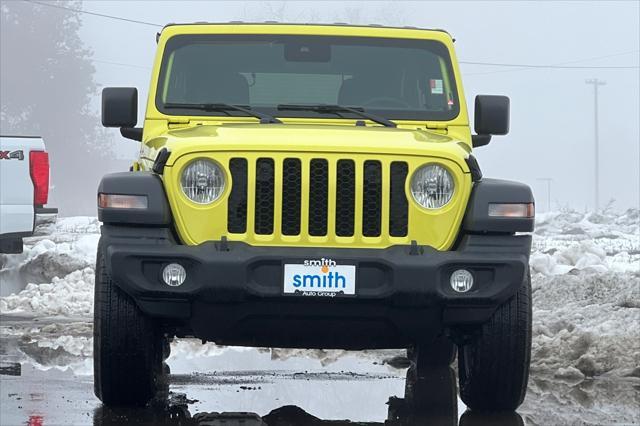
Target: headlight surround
(432, 186)
(202, 181)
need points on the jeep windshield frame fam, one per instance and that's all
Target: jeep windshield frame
(394, 78)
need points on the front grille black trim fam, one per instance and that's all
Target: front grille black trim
(372, 199)
(347, 186)
(318, 197)
(291, 196)
(264, 196)
(237, 204)
(345, 198)
(398, 203)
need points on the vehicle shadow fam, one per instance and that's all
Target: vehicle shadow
(429, 400)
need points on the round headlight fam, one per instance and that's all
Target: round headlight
(202, 181)
(432, 186)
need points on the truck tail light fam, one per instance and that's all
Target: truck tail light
(39, 170)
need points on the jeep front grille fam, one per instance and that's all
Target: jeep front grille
(318, 197)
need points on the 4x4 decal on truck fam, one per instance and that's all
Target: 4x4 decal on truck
(12, 155)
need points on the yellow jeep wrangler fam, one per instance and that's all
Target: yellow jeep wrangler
(311, 186)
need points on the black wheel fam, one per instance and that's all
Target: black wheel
(493, 368)
(127, 347)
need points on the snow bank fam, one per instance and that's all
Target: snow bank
(586, 324)
(193, 348)
(586, 294)
(569, 241)
(56, 250)
(71, 296)
(70, 225)
(584, 255)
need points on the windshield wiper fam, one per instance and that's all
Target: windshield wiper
(336, 109)
(264, 118)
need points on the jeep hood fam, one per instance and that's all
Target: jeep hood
(309, 138)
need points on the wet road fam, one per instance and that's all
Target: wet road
(45, 379)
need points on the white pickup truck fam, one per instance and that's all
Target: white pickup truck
(24, 189)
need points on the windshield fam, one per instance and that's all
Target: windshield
(406, 79)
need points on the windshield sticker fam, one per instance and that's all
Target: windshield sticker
(436, 87)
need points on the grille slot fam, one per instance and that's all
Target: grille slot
(318, 197)
(264, 196)
(237, 204)
(345, 198)
(372, 199)
(291, 194)
(398, 205)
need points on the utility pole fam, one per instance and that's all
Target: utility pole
(596, 83)
(548, 180)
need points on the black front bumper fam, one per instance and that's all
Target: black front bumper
(233, 293)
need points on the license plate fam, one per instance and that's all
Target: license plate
(323, 278)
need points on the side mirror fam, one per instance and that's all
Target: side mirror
(119, 106)
(491, 118)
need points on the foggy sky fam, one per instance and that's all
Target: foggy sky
(552, 132)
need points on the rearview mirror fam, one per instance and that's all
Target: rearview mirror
(119, 106)
(491, 118)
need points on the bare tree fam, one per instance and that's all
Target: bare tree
(46, 86)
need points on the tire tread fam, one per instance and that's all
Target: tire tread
(494, 368)
(125, 344)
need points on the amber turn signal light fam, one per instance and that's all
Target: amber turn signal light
(525, 210)
(119, 201)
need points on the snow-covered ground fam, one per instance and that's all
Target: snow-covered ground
(585, 274)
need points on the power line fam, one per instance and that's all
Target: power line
(121, 64)
(593, 58)
(102, 15)
(495, 64)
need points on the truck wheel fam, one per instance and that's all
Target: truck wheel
(127, 347)
(493, 368)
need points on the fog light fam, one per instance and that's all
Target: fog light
(461, 281)
(174, 274)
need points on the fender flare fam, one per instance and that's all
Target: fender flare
(486, 191)
(157, 213)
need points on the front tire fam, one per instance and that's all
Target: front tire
(127, 347)
(493, 369)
